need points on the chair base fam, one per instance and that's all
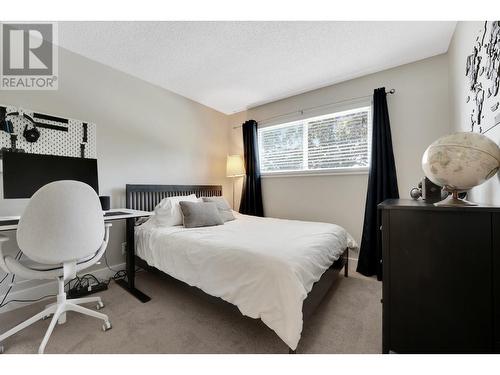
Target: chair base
(58, 311)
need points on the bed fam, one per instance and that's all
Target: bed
(272, 269)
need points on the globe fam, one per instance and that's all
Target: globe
(460, 161)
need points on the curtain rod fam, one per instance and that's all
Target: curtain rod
(301, 111)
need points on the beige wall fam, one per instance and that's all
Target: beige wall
(460, 47)
(145, 134)
(418, 112)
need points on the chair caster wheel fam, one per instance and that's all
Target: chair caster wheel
(1, 349)
(99, 305)
(106, 326)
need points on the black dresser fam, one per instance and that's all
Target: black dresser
(441, 278)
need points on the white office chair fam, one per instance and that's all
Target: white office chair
(63, 229)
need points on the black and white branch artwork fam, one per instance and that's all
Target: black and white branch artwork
(483, 71)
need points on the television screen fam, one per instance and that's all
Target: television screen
(24, 173)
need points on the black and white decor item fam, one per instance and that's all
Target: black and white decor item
(483, 72)
(57, 135)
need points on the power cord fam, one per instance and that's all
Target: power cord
(8, 291)
(118, 275)
(78, 282)
(68, 284)
(27, 300)
(2, 304)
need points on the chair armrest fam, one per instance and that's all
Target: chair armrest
(106, 231)
(99, 252)
(3, 266)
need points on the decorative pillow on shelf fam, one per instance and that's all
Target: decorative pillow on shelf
(200, 214)
(223, 206)
(168, 212)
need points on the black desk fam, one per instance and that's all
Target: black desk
(8, 223)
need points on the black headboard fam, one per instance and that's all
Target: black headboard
(146, 197)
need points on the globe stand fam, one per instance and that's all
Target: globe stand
(453, 200)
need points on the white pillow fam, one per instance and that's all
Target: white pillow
(168, 212)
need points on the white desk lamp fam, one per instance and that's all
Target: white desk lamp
(235, 167)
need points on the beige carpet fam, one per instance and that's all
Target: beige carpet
(180, 319)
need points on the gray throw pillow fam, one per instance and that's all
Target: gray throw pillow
(200, 214)
(224, 208)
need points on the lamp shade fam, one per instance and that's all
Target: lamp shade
(235, 166)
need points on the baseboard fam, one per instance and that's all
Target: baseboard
(50, 287)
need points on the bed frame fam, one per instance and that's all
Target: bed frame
(146, 197)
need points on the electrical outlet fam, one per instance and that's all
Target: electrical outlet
(124, 248)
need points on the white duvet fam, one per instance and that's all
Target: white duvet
(264, 266)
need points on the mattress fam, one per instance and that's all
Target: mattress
(264, 266)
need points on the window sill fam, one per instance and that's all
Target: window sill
(324, 172)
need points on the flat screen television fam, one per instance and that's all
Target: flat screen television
(25, 173)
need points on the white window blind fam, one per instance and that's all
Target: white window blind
(337, 141)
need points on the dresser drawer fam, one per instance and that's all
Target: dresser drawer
(438, 281)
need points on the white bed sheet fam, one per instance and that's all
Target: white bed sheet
(264, 266)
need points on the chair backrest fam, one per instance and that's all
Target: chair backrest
(63, 222)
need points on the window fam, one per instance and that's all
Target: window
(336, 142)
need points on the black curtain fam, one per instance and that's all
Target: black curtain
(251, 197)
(382, 185)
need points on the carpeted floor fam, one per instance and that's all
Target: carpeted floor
(180, 319)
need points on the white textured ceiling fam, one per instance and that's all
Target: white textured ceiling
(232, 66)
